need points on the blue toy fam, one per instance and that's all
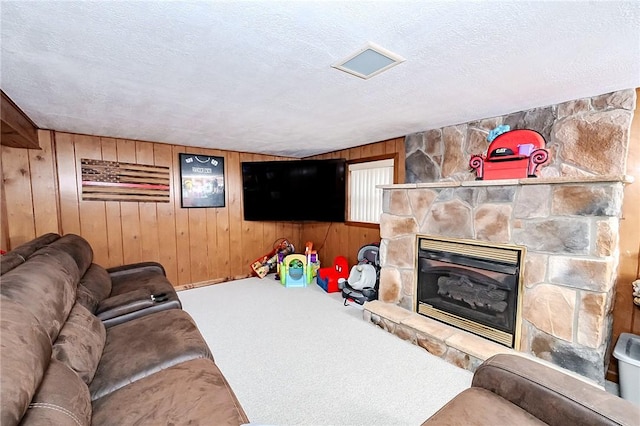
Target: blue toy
(295, 271)
(504, 128)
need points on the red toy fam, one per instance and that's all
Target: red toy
(515, 154)
(328, 277)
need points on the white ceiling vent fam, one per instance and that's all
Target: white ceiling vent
(369, 61)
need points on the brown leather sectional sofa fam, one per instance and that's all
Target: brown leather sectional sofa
(83, 345)
(513, 390)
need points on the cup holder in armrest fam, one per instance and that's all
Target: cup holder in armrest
(159, 298)
(123, 304)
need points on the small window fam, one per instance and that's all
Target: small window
(365, 200)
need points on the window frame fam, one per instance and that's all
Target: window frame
(395, 157)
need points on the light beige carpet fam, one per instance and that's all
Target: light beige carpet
(297, 356)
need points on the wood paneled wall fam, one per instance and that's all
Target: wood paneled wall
(339, 239)
(41, 192)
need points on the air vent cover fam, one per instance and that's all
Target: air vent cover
(369, 61)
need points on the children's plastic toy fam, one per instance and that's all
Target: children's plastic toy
(268, 263)
(514, 154)
(312, 260)
(327, 278)
(294, 271)
(364, 278)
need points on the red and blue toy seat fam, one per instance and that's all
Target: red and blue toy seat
(327, 278)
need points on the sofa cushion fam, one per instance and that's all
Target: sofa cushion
(21, 253)
(94, 287)
(62, 399)
(535, 386)
(480, 407)
(86, 298)
(144, 346)
(78, 248)
(9, 261)
(148, 279)
(46, 286)
(80, 342)
(193, 392)
(25, 351)
(28, 248)
(123, 304)
(117, 271)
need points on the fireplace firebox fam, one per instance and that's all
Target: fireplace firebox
(472, 285)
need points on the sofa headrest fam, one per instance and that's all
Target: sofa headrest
(78, 248)
(9, 261)
(24, 356)
(30, 247)
(46, 286)
(96, 283)
(21, 253)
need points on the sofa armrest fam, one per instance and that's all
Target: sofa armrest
(550, 395)
(133, 268)
(123, 304)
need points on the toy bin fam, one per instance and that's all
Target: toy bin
(627, 352)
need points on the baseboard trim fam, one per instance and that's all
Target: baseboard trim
(210, 282)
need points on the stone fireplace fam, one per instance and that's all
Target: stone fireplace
(567, 219)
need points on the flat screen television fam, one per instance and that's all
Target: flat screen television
(297, 190)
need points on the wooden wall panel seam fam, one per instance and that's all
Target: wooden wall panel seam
(41, 166)
(56, 183)
(4, 223)
(19, 198)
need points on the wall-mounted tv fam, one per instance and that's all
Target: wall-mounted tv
(297, 190)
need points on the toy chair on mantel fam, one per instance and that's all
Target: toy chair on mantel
(514, 154)
(294, 271)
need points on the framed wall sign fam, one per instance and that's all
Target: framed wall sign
(201, 180)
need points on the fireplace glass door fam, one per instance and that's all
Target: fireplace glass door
(471, 285)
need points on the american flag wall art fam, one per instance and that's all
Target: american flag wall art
(115, 181)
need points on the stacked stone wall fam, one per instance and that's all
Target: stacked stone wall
(586, 137)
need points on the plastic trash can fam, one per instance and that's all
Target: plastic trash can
(627, 352)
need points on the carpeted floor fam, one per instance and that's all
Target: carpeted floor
(297, 356)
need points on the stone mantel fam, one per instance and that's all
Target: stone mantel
(626, 179)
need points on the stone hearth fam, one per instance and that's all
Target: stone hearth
(458, 347)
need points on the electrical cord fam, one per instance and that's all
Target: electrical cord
(277, 242)
(325, 237)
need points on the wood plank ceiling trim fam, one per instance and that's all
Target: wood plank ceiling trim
(18, 131)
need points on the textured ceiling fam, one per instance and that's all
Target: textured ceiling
(256, 76)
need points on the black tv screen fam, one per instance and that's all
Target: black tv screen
(304, 190)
